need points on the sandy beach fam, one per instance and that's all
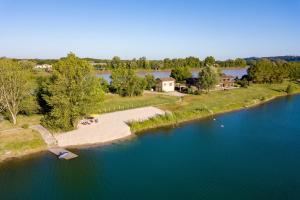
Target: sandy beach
(110, 127)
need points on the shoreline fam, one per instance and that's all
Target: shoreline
(108, 71)
(203, 117)
(135, 133)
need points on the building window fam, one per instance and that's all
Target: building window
(165, 84)
(170, 84)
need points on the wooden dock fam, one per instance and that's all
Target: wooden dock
(59, 151)
(52, 144)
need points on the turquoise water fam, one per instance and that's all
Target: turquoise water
(256, 155)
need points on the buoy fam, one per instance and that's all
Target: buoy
(214, 119)
(222, 126)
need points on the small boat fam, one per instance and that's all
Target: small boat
(63, 154)
(222, 126)
(214, 119)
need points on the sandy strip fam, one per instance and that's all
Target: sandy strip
(111, 126)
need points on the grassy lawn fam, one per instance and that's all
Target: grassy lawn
(21, 120)
(194, 107)
(115, 102)
(20, 142)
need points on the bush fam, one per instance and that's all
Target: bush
(289, 89)
(25, 126)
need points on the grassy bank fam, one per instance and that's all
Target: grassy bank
(16, 143)
(115, 102)
(196, 107)
(21, 121)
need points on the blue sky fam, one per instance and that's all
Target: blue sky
(152, 28)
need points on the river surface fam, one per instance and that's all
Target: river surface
(162, 74)
(256, 155)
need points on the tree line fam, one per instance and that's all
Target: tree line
(267, 71)
(148, 64)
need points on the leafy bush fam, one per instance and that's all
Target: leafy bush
(289, 89)
(25, 126)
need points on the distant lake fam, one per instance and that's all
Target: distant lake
(256, 155)
(161, 74)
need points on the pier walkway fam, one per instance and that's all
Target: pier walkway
(52, 143)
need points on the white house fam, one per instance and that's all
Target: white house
(165, 84)
(43, 66)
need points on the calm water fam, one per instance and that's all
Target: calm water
(255, 156)
(161, 74)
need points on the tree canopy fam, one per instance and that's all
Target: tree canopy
(208, 78)
(71, 93)
(126, 83)
(266, 71)
(181, 73)
(15, 87)
(209, 61)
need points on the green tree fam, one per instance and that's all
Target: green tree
(181, 73)
(150, 81)
(126, 83)
(15, 86)
(208, 78)
(289, 89)
(72, 92)
(116, 62)
(239, 62)
(209, 61)
(265, 71)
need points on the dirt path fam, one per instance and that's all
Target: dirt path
(46, 135)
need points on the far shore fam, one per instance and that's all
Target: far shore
(107, 71)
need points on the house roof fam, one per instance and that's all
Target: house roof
(166, 79)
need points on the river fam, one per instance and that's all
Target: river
(256, 155)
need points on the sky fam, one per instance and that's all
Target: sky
(155, 29)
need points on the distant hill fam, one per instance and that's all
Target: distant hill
(274, 58)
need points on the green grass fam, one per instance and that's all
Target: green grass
(22, 120)
(115, 102)
(195, 107)
(20, 142)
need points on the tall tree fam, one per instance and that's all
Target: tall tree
(150, 81)
(208, 78)
(14, 87)
(73, 92)
(126, 83)
(116, 62)
(181, 73)
(209, 61)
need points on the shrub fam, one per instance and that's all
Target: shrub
(25, 126)
(289, 89)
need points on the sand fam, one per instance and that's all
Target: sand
(110, 127)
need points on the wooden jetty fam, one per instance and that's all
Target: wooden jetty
(52, 144)
(62, 153)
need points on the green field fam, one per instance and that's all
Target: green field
(21, 120)
(115, 102)
(195, 107)
(20, 142)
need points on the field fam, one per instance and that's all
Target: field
(21, 120)
(17, 143)
(115, 102)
